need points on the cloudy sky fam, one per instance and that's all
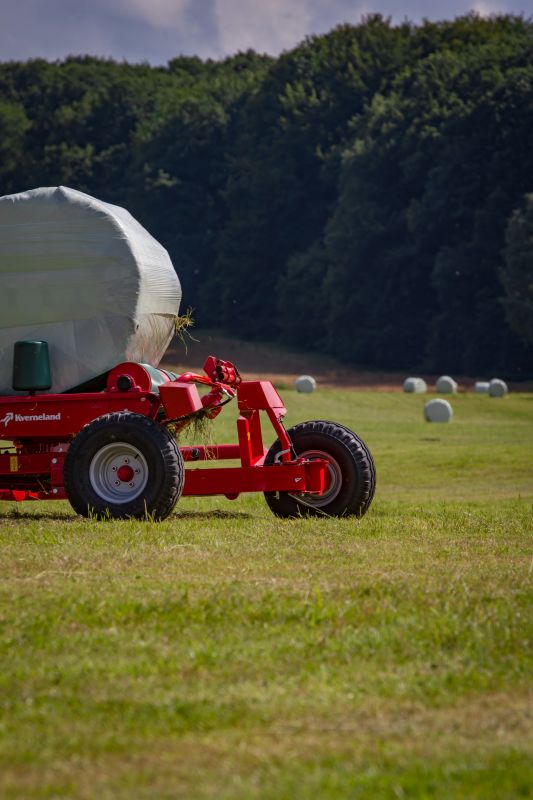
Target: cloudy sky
(157, 30)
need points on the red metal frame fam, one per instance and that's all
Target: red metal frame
(41, 427)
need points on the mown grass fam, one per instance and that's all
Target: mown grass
(225, 653)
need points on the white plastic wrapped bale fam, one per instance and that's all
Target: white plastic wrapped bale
(305, 384)
(85, 277)
(446, 385)
(497, 388)
(481, 387)
(415, 385)
(438, 411)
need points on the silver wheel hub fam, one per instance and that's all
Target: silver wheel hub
(118, 472)
(333, 480)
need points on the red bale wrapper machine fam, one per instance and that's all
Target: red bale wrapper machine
(112, 449)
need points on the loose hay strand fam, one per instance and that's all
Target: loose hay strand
(199, 431)
(195, 429)
(182, 325)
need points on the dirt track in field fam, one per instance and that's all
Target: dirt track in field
(270, 362)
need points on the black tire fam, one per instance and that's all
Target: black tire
(352, 472)
(148, 457)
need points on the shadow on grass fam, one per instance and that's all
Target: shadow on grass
(213, 514)
(28, 515)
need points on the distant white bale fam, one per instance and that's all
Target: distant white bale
(416, 385)
(481, 387)
(438, 411)
(305, 384)
(446, 385)
(497, 388)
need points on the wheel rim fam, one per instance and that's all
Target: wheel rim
(334, 485)
(118, 472)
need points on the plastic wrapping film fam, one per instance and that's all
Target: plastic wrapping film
(87, 278)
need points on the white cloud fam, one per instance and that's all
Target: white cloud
(158, 13)
(484, 8)
(274, 25)
(264, 25)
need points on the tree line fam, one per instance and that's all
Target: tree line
(366, 194)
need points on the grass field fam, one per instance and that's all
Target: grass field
(226, 654)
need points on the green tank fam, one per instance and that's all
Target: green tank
(31, 367)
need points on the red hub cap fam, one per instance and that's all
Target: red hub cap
(125, 473)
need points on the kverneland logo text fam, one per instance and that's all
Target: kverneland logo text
(11, 417)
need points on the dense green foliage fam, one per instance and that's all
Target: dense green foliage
(517, 273)
(350, 196)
